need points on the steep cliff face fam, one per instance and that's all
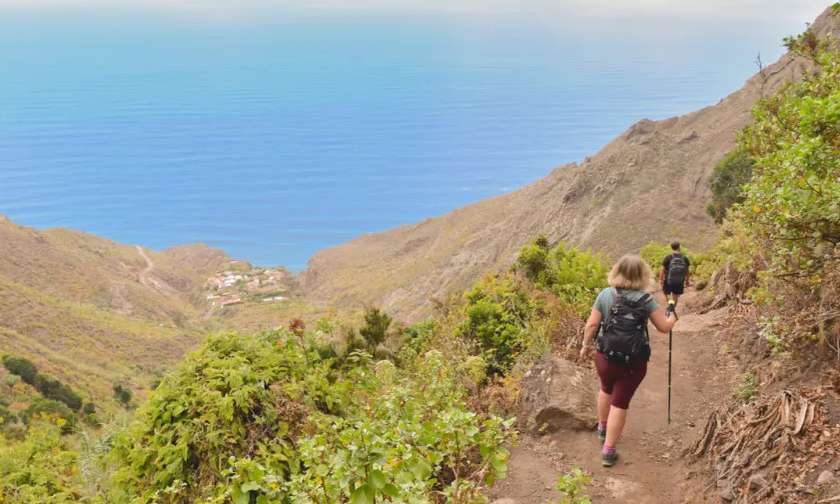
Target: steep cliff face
(649, 183)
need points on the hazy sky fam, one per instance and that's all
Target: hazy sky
(758, 10)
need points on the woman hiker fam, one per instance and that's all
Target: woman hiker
(620, 317)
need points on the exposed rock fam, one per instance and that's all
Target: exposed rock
(689, 137)
(641, 128)
(558, 394)
(725, 491)
(757, 482)
(620, 488)
(825, 478)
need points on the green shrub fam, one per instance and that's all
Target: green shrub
(748, 387)
(575, 276)
(734, 246)
(572, 487)
(6, 416)
(792, 202)
(21, 367)
(263, 418)
(49, 387)
(48, 408)
(122, 394)
(727, 182)
(40, 468)
(89, 415)
(10, 380)
(497, 315)
(791, 208)
(52, 388)
(416, 339)
(533, 259)
(376, 327)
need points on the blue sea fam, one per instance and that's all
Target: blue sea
(276, 135)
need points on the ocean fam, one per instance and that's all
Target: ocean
(275, 136)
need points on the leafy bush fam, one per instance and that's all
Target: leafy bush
(10, 380)
(47, 408)
(52, 388)
(497, 315)
(748, 387)
(415, 340)
(49, 387)
(735, 246)
(572, 487)
(21, 367)
(89, 415)
(519, 314)
(41, 468)
(727, 182)
(573, 275)
(376, 327)
(122, 394)
(793, 200)
(791, 208)
(6, 416)
(533, 259)
(264, 418)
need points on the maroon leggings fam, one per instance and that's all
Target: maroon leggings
(620, 381)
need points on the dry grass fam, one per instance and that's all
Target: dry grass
(74, 304)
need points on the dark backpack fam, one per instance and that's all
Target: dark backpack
(677, 269)
(624, 336)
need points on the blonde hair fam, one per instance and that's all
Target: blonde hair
(630, 272)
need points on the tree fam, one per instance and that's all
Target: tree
(533, 259)
(376, 327)
(122, 394)
(727, 182)
(792, 202)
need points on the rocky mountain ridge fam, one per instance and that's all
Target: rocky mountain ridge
(650, 183)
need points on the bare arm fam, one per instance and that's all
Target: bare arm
(662, 276)
(589, 331)
(663, 322)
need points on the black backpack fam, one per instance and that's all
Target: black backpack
(624, 336)
(677, 269)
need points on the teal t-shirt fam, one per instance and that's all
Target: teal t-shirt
(604, 301)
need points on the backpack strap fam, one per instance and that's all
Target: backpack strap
(645, 300)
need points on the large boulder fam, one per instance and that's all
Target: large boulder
(559, 394)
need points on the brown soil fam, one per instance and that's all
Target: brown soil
(651, 468)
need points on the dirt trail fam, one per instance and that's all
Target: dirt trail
(146, 278)
(150, 265)
(651, 469)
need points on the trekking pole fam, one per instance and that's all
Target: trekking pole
(672, 307)
(670, 346)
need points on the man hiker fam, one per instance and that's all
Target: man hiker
(674, 276)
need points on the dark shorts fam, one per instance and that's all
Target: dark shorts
(673, 289)
(620, 381)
